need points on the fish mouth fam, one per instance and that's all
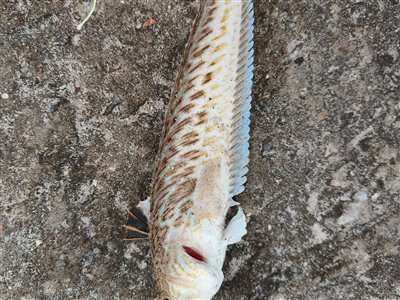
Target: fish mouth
(194, 253)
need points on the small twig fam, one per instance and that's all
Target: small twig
(88, 16)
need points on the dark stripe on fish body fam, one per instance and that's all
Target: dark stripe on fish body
(198, 65)
(200, 51)
(197, 95)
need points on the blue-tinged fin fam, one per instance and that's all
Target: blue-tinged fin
(240, 130)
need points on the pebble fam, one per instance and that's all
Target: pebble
(4, 96)
(360, 196)
(138, 24)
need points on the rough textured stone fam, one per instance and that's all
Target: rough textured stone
(81, 117)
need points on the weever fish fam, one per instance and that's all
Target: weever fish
(203, 156)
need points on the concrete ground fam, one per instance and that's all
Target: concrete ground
(80, 120)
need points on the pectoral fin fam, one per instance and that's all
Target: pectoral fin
(138, 221)
(236, 228)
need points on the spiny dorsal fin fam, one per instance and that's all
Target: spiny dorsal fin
(239, 143)
(137, 224)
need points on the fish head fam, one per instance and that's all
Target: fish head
(192, 268)
(190, 276)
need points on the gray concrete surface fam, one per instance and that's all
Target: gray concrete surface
(81, 115)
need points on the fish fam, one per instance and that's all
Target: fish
(203, 156)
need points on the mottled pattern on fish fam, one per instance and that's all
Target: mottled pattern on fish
(203, 155)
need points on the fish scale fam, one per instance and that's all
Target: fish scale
(214, 50)
(204, 151)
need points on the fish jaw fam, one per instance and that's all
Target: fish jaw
(193, 260)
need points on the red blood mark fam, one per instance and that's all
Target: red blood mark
(148, 23)
(193, 253)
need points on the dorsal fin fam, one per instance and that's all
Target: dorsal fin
(239, 140)
(137, 224)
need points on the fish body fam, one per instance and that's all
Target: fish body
(203, 155)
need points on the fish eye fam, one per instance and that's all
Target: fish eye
(194, 254)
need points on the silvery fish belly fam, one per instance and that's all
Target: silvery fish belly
(203, 156)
